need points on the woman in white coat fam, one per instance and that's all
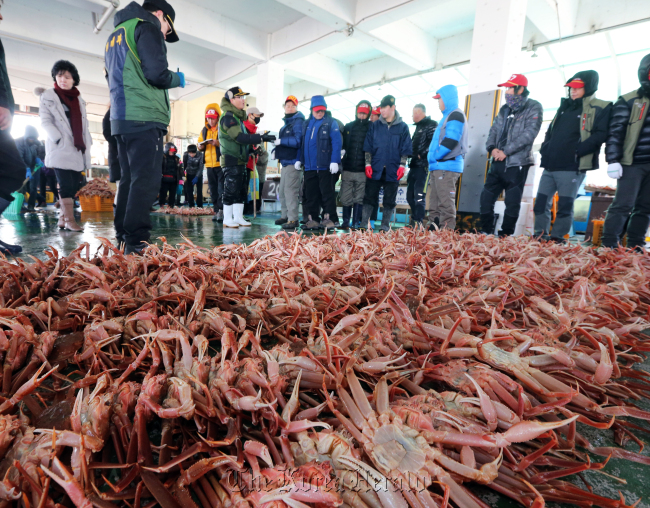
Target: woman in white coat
(63, 117)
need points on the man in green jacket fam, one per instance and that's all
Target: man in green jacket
(138, 78)
(235, 142)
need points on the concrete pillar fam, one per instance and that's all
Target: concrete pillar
(270, 95)
(178, 124)
(496, 43)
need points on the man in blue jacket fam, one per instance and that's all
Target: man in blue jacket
(388, 146)
(447, 157)
(287, 147)
(320, 155)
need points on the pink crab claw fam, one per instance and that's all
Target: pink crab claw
(250, 403)
(387, 493)
(605, 367)
(26, 389)
(259, 450)
(528, 430)
(488, 409)
(302, 425)
(72, 439)
(69, 484)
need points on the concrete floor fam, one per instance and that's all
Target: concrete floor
(36, 231)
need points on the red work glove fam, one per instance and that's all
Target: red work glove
(400, 173)
(369, 171)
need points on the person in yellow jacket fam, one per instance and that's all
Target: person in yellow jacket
(209, 145)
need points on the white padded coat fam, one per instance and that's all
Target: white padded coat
(60, 152)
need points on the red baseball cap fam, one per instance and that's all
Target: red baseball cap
(292, 98)
(212, 113)
(376, 111)
(437, 96)
(576, 83)
(319, 108)
(515, 80)
(363, 108)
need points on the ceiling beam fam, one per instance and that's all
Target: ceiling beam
(554, 19)
(373, 14)
(303, 38)
(334, 13)
(321, 69)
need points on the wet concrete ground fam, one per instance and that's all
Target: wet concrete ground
(37, 230)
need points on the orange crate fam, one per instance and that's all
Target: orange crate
(96, 204)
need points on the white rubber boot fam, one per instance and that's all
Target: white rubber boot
(228, 221)
(238, 209)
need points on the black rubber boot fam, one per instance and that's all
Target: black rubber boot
(386, 217)
(487, 223)
(347, 213)
(365, 218)
(508, 225)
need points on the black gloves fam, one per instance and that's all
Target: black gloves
(266, 137)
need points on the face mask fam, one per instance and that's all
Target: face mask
(515, 101)
(257, 120)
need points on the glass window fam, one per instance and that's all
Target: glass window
(631, 38)
(574, 50)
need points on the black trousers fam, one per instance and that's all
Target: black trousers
(50, 181)
(499, 179)
(12, 167)
(34, 192)
(233, 185)
(319, 193)
(141, 163)
(69, 182)
(415, 195)
(215, 184)
(189, 190)
(372, 192)
(167, 194)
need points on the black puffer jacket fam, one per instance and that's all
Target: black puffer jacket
(422, 136)
(620, 120)
(354, 135)
(172, 168)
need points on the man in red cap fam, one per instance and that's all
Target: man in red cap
(375, 114)
(353, 183)
(571, 148)
(510, 146)
(287, 148)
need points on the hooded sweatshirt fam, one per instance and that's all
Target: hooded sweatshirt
(388, 146)
(449, 135)
(212, 153)
(565, 143)
(29, 151)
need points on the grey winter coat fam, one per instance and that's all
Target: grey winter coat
(522, 131)
(59, 145)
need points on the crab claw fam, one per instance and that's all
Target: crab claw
(528, 430)
(250, 403)
(259, 450)
(64, 478)
(487, 407)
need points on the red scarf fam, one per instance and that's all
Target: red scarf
(252, 159)
(71, 99)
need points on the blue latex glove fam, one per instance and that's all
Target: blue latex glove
(182, 76)
(29, 172)
(39, 162)
(196, 179)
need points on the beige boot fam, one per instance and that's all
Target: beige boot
(61, 223)
(67, 205)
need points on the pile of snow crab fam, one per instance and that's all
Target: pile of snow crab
(365, 370)
(183, 210)
(97, 187)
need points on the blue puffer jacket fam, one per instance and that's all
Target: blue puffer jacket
(291, 139)
(388, 144)
(439, 149)
(321, 144)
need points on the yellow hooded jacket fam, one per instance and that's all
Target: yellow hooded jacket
(212, 153)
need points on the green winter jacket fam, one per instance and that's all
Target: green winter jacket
(234, 140)
(136, 68)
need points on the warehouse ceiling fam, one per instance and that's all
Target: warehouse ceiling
(324, 45)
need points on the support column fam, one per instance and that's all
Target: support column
(270, 95)
(496, 42)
